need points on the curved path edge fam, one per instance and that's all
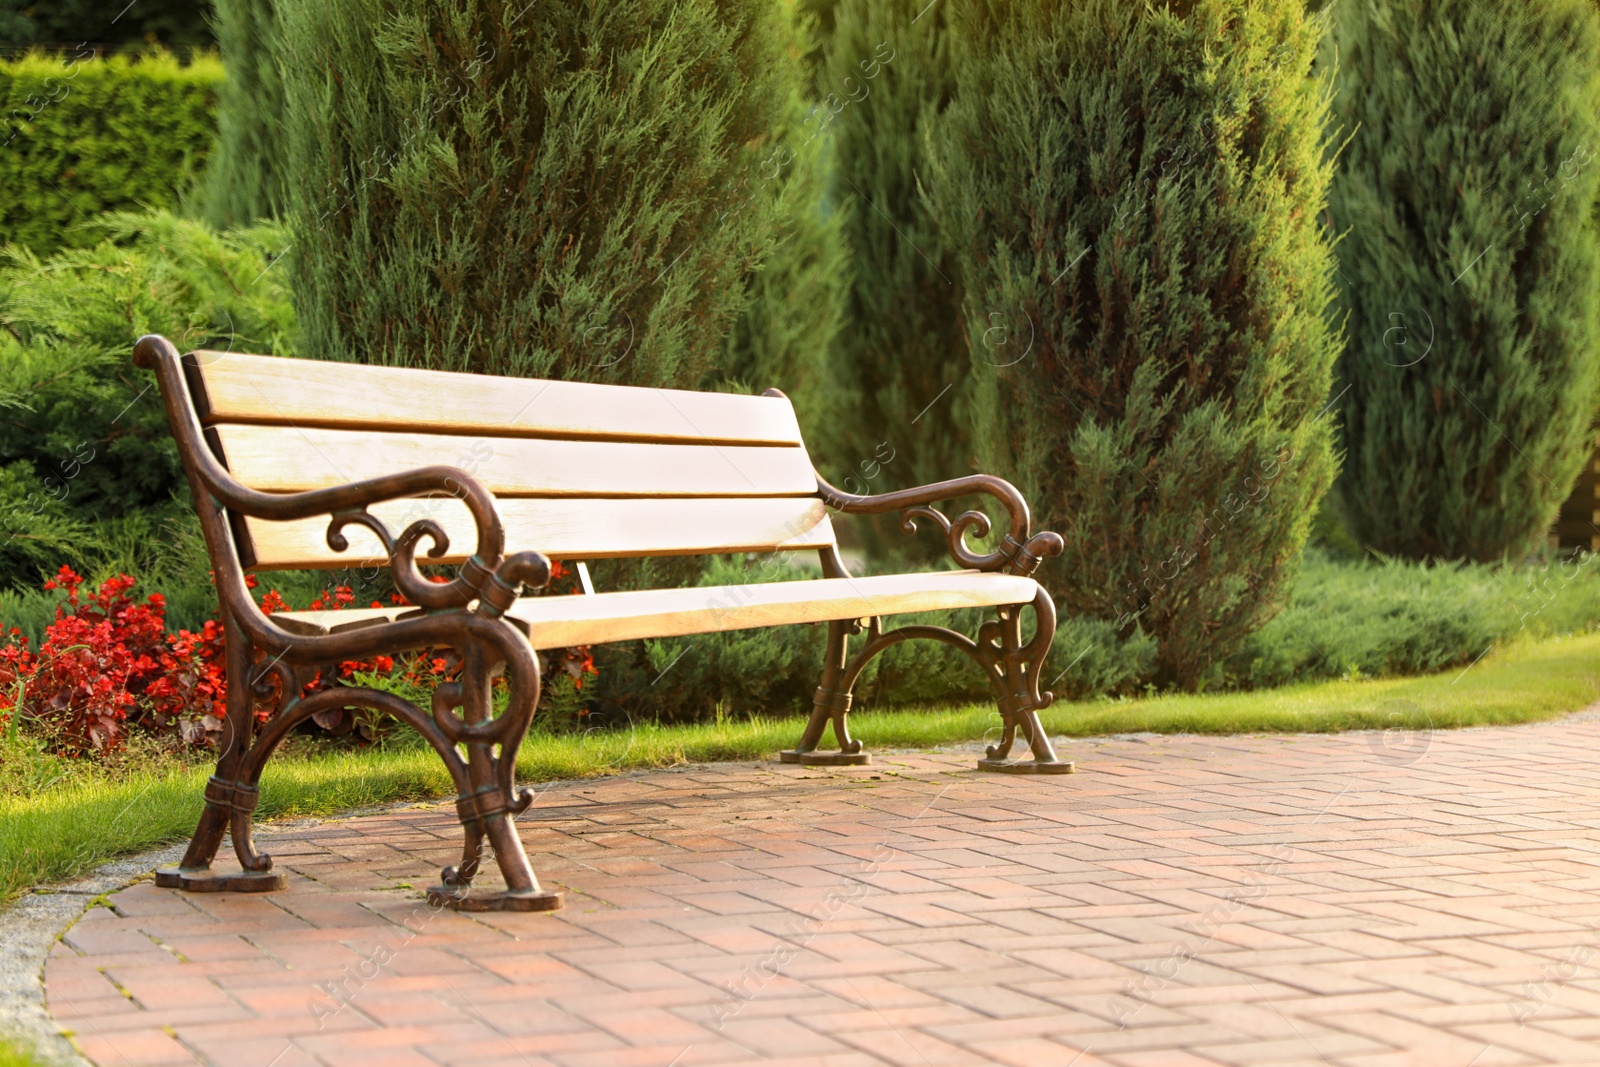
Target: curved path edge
(31, 927)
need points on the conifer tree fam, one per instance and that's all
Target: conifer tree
(1469, 267)
(244, 178)
(540, 189)
(819, 13)
(1135, 193)
(796, 296)
(901, 360)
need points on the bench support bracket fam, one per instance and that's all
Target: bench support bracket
(1013, 669)
(831, 704)
(1011, 665)
(487, 803)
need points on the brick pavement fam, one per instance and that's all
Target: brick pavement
(1359, 900)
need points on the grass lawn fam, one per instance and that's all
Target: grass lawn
(59, 831)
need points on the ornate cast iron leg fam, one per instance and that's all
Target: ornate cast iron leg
(489, 809)
(1014, 669)
(231, 795)
(831, 704)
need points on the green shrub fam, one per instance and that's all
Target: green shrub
(87, 135)
(1471, 267)
(1395, 617)
(1134, 192)
(903, 357)
(573, 191)
(1091, 658)
(245, 178)
(88, 470)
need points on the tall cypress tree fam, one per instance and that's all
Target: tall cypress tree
(796, 296)
(1135, 194)
(244, 177)
(901, 363)
(544, 189)
(1469, 267)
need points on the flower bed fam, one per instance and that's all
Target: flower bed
(107, 665)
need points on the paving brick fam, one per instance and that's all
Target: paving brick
(137, 1048)
(1194, 902)
(70, 1011)
(910, 1048)
(1033, 1051)
(114, 937)
(268, 1052)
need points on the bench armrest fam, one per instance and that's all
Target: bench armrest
(487, 576)
(1018, 551)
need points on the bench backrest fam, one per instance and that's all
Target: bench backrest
(581, 471)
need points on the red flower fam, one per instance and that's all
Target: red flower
(106, 663)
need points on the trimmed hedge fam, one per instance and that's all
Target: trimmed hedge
(82, 136)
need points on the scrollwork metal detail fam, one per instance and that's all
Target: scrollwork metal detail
(1019, 551)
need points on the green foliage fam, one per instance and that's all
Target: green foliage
(1471, 266)
(173, 23)
(902, 360)
(819, 14)
(1330, 532)
(1394, 617)
(245, 179)
(1134, 194)
(1090, 658)
(795, 298)
(85, 135)
(573, 191)
(88, 470)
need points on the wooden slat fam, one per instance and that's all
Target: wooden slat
(288, 458)
(563, 621)
(568, 529)
(303, 392)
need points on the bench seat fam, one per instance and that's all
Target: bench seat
(564, 621)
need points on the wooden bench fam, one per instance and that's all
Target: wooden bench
(306, 464)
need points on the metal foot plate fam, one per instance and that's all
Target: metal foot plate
(825, 759)
(440, 896)
(1027, 767)
(208, 881)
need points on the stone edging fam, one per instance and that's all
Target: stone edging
(28, 932)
